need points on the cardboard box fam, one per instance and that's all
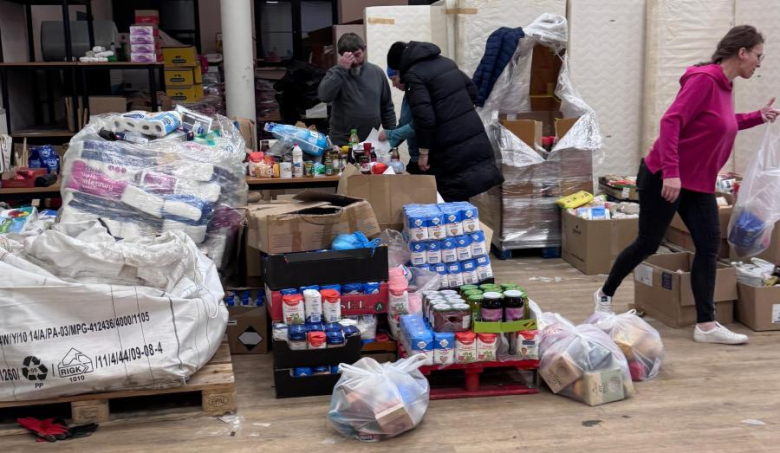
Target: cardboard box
(593, 245)
(185, 93)
(247, 330)
(97, 105)
(603, 387)
(180, 56)
(622, 193)
(665, 294)
(529, 131)
(759, 307)
(546, 117)
(724, 215)
(545, 68)
(561, 373)
(388, 194)
(684, 240)
(248, 130)
(180, 77)
(311, 223)
(353, 10)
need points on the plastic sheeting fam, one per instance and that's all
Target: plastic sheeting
(522, 211)
(168, 184)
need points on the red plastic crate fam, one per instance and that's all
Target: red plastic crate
(351, 305)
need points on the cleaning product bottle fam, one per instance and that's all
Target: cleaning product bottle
(297, 162)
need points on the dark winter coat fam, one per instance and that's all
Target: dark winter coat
(442, 100)
(499, 50)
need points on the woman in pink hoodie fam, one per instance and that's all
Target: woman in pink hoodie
(679, 174)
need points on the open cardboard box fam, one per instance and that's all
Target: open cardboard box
(759, 307)
(593, 245)
(662, 289)
(388, 194)
(312, 222)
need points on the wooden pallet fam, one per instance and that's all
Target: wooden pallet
(214, 382)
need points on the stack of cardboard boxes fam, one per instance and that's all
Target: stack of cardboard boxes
(145, 44)
(183, 78)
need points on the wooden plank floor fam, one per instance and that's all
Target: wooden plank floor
(698, 403)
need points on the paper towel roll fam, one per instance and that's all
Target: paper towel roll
(183, 210)
(143, 201)
(161, 125)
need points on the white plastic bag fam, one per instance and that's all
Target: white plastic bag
(758, 201)
(398, 253)
(639, 341)
(373, 402)
(583, 363)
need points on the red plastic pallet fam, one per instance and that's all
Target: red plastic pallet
(472, 388)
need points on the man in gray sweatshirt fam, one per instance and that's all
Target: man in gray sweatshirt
(358, 93)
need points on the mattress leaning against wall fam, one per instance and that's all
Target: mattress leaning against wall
(606, 61)
(750, 95)
(680, 34)
(477, 19)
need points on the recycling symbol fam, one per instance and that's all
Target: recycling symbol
(33, 369)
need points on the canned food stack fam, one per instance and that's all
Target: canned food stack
(447, 238)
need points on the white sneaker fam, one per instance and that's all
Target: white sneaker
(601, 302)
(719, 335)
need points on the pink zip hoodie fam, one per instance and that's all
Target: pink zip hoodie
(698, 130)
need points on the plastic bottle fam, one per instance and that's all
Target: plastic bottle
(353, 138)
(297, 161)
(395, 161)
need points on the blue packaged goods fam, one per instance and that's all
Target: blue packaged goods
(321, 370)
(259, 299)
(44, 157)
(302, 371)
(449, 250)
(417, 337)
(350, 331)
(436, 225)
(289, 291)
(304, 288)
(334, 369)
(444, 348)
(478, 245)
(417, 223)
(315, 327)
(333, 327)
(464, 247)
(371, 288)
(335, 338)
(434, 252)
(296, 332)
(440, 269)
(470, 217)
(453, 220)
(245, 297)
(336, 288)
(230, 300)
(419, 253)
(469, 272)
(484, 269)
(349, 289)
(454, 275)
(310, 142)
(747, 233)
(279, 331)
(426, 267)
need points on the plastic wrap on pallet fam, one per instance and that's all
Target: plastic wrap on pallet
(166, 184)
(522, 211)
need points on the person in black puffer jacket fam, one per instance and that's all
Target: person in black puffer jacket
(452, 140)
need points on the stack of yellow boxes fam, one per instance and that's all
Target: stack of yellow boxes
(183, 80)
